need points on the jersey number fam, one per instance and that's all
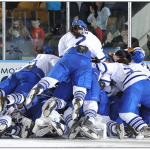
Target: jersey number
(83, 39)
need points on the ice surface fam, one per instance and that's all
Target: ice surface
(57, 142)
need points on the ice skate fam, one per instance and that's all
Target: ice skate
(75, 129)
(51, 106)
(75, 108)
(130, 131)
(4, 129)
(57, 127)
(3, 102)
(144, 132)
(33, 93)
(87, 130)
(120, 130)
(43, 130)
(9, 111)
(27, 128)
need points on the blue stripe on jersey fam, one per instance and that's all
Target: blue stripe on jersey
(129, 75)
(102, 58)
(139, 125)
(105, 80)
(3, 121)
(104, 67)
(133, 78)
(147, 67)
(14, 99)
(97, 66)
(18, 100)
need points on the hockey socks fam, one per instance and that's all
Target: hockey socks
(16, 98)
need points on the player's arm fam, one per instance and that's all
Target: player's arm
(109, 68)
(99, 50)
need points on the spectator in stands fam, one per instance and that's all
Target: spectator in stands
(80, 10)
(54, 12)
(148, 44)
(37, 33)
(99, 32)
(122, 39)
(101, 13)
(16, 35)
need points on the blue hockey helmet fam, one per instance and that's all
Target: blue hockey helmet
(80, 23)
(48, 50)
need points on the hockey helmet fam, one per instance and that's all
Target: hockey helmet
(48, 50)
(80, 23)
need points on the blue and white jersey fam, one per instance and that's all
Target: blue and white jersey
(43, 61)
(122, 75)
(143, 63)
(88, 39)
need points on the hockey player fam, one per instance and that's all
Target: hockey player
(77, 47)
(21, 81)
(134, 84)
(23, 112)
(93, 97)
(115, 100)
(133, 55)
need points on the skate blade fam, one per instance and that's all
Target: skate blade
(48, 111)
(2, 127)
(24, 133)
(30, 97)
(73, 135)
(42, 132)
(59, 131)
(74, 114)
(89, 134)
(15, 136)
(121, 134)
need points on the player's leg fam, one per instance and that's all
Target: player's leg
(128, 104)
(62, 94)
(74, 126)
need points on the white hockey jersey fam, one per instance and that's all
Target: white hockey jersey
(43, 61)
(91, 41)
(122, 75)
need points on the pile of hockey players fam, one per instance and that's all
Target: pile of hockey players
(71, 95)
